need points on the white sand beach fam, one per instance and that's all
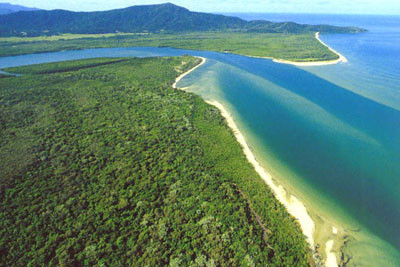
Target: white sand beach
(316, 63)
(310, 64)
(294, 206)
(331, 257)
(203, 60)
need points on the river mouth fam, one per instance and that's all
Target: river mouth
(324, 144)
(281, 126)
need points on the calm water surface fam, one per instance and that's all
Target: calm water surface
(331, 133)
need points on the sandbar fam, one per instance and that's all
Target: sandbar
(294, 206)
(203, 60)
(314, 63)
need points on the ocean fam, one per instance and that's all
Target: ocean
(329, 134)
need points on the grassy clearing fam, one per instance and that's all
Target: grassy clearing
(65, 36)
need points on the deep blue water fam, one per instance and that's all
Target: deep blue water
(373, 56)
(360, 172)
(336, 142)
(334, 131)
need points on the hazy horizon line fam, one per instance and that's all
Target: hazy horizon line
(218, 11)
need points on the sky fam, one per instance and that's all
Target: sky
(388, 7)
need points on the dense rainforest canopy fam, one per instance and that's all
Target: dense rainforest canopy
(102, 162)
(167, 18)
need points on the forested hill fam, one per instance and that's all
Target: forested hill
(149, 18)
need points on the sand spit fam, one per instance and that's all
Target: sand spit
(203, 60)
(294, 206)
(330, 255)
(310, 64)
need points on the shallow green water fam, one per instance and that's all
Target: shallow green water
(337, 150)
(331, 134)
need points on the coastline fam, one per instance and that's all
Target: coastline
(294, 206)
(203, 60)
(310, 64)
(317, 63)
(330, 255)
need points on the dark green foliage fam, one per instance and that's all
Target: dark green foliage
(151, 18)
(295, 47)
(64, 66)
(261, 26)
(4, 75)
(110, 166)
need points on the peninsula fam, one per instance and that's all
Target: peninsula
(104, 162)
(28, 32)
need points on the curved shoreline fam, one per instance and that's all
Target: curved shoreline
(282, 61)
(294, 206)
(203, 60)
(314, 63)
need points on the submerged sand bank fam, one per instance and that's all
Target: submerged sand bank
(330, 255)
(294, 206)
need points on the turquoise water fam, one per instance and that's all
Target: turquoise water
(329, 133)
(329, 139)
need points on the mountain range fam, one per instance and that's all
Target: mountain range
(149, 18)
(7, 8)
